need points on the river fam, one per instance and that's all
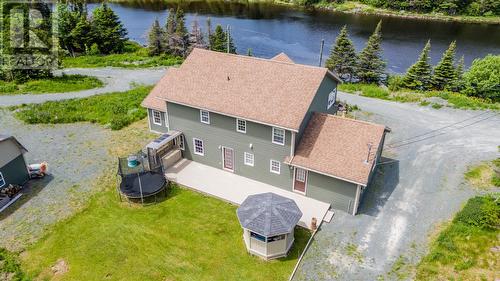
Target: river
(268, 29)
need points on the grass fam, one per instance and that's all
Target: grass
(188, 236)
(455, 100)
(10, 268)
(462, 250)
(135, 56)
(58, 84)
(115, 110)
(484, 175)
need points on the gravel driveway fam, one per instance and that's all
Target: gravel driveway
(419, 185)
(115, 80)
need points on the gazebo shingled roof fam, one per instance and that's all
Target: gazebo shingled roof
(268, 214)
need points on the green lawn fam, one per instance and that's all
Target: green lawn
(59, 84)
(462, 250)
(116, 110)
(135, 56)
(188, 236)
(455, 100)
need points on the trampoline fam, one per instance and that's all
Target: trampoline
(138, 179)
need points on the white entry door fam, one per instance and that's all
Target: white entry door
(228, 159)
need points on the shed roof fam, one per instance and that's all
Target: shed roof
(269, 214)
(267, 91)
(338, 147)
(12, 138)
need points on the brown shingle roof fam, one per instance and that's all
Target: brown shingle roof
(152, 100)
(338, 147)
(260, 90)
(282, 57)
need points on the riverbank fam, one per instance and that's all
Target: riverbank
(354, 7)
(348, 7)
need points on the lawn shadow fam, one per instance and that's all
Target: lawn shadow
(170, 191)
(30, 190)
(385, 180)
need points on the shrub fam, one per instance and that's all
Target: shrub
(482, 212)
(395, 82)
(10, 268)
(483, 78)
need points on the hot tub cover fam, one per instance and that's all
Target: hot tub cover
(269, 214)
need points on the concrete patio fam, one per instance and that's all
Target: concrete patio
(234, 188)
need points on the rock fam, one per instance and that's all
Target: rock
(495, 249)
(60, 268)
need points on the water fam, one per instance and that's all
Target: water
(270, 29)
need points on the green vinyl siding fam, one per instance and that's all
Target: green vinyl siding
(157, 128)
(15, 172)
(318, 104)
(222, 132)
(340, 194)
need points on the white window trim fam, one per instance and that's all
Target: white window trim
(202, 147)
(305, 182)
(284, 136)
(245, 159)
(271, 167)
(201, 116)
(159, 118)
(3, 179)
(166, 120)
(238, 127)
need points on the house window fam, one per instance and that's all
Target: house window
(2, 181)
(249, 159)
(257, 236)
(331, 98)
(276, 238)
(204, 116)
(198, 147)
(278, 136)
(241, 126)
(275, 167)
(156, 117)
(301, 175)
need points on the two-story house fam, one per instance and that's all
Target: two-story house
(270, 120)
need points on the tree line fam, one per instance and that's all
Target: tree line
(448, 7)
(481, 80)
(174, 38)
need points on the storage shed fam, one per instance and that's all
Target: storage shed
(268, 222)
(13, 168)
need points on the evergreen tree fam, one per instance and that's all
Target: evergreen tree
(66, 21)
(218, 41)
(108, 31)
(445, 72)
(179, 39)
(459, 84)
(249, 52)
(342, 56)
(82, 34)
(196, 39)
(371, 66)
(155, 41)
(418, 76)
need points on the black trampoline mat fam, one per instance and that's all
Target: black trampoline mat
(152, 183)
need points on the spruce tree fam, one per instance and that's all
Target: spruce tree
(459, 84)
(418, 76)
(179, 46)
(371, 66)
(445, 72)
(169, 31)
(218, 41)
(82, 34)
(108, 31)
(196, 39)
(342, 57)
(155, 42)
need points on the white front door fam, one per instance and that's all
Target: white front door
(228, 159)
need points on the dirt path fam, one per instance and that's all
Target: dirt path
(419, 185)
(115, 79)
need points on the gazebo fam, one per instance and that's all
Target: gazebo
(268, 222)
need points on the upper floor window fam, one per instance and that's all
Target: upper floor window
(278, 136)
(156, 117)
(2, 181)
(331, 98)
(204, 116)
(199, 148)
(241, 126)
